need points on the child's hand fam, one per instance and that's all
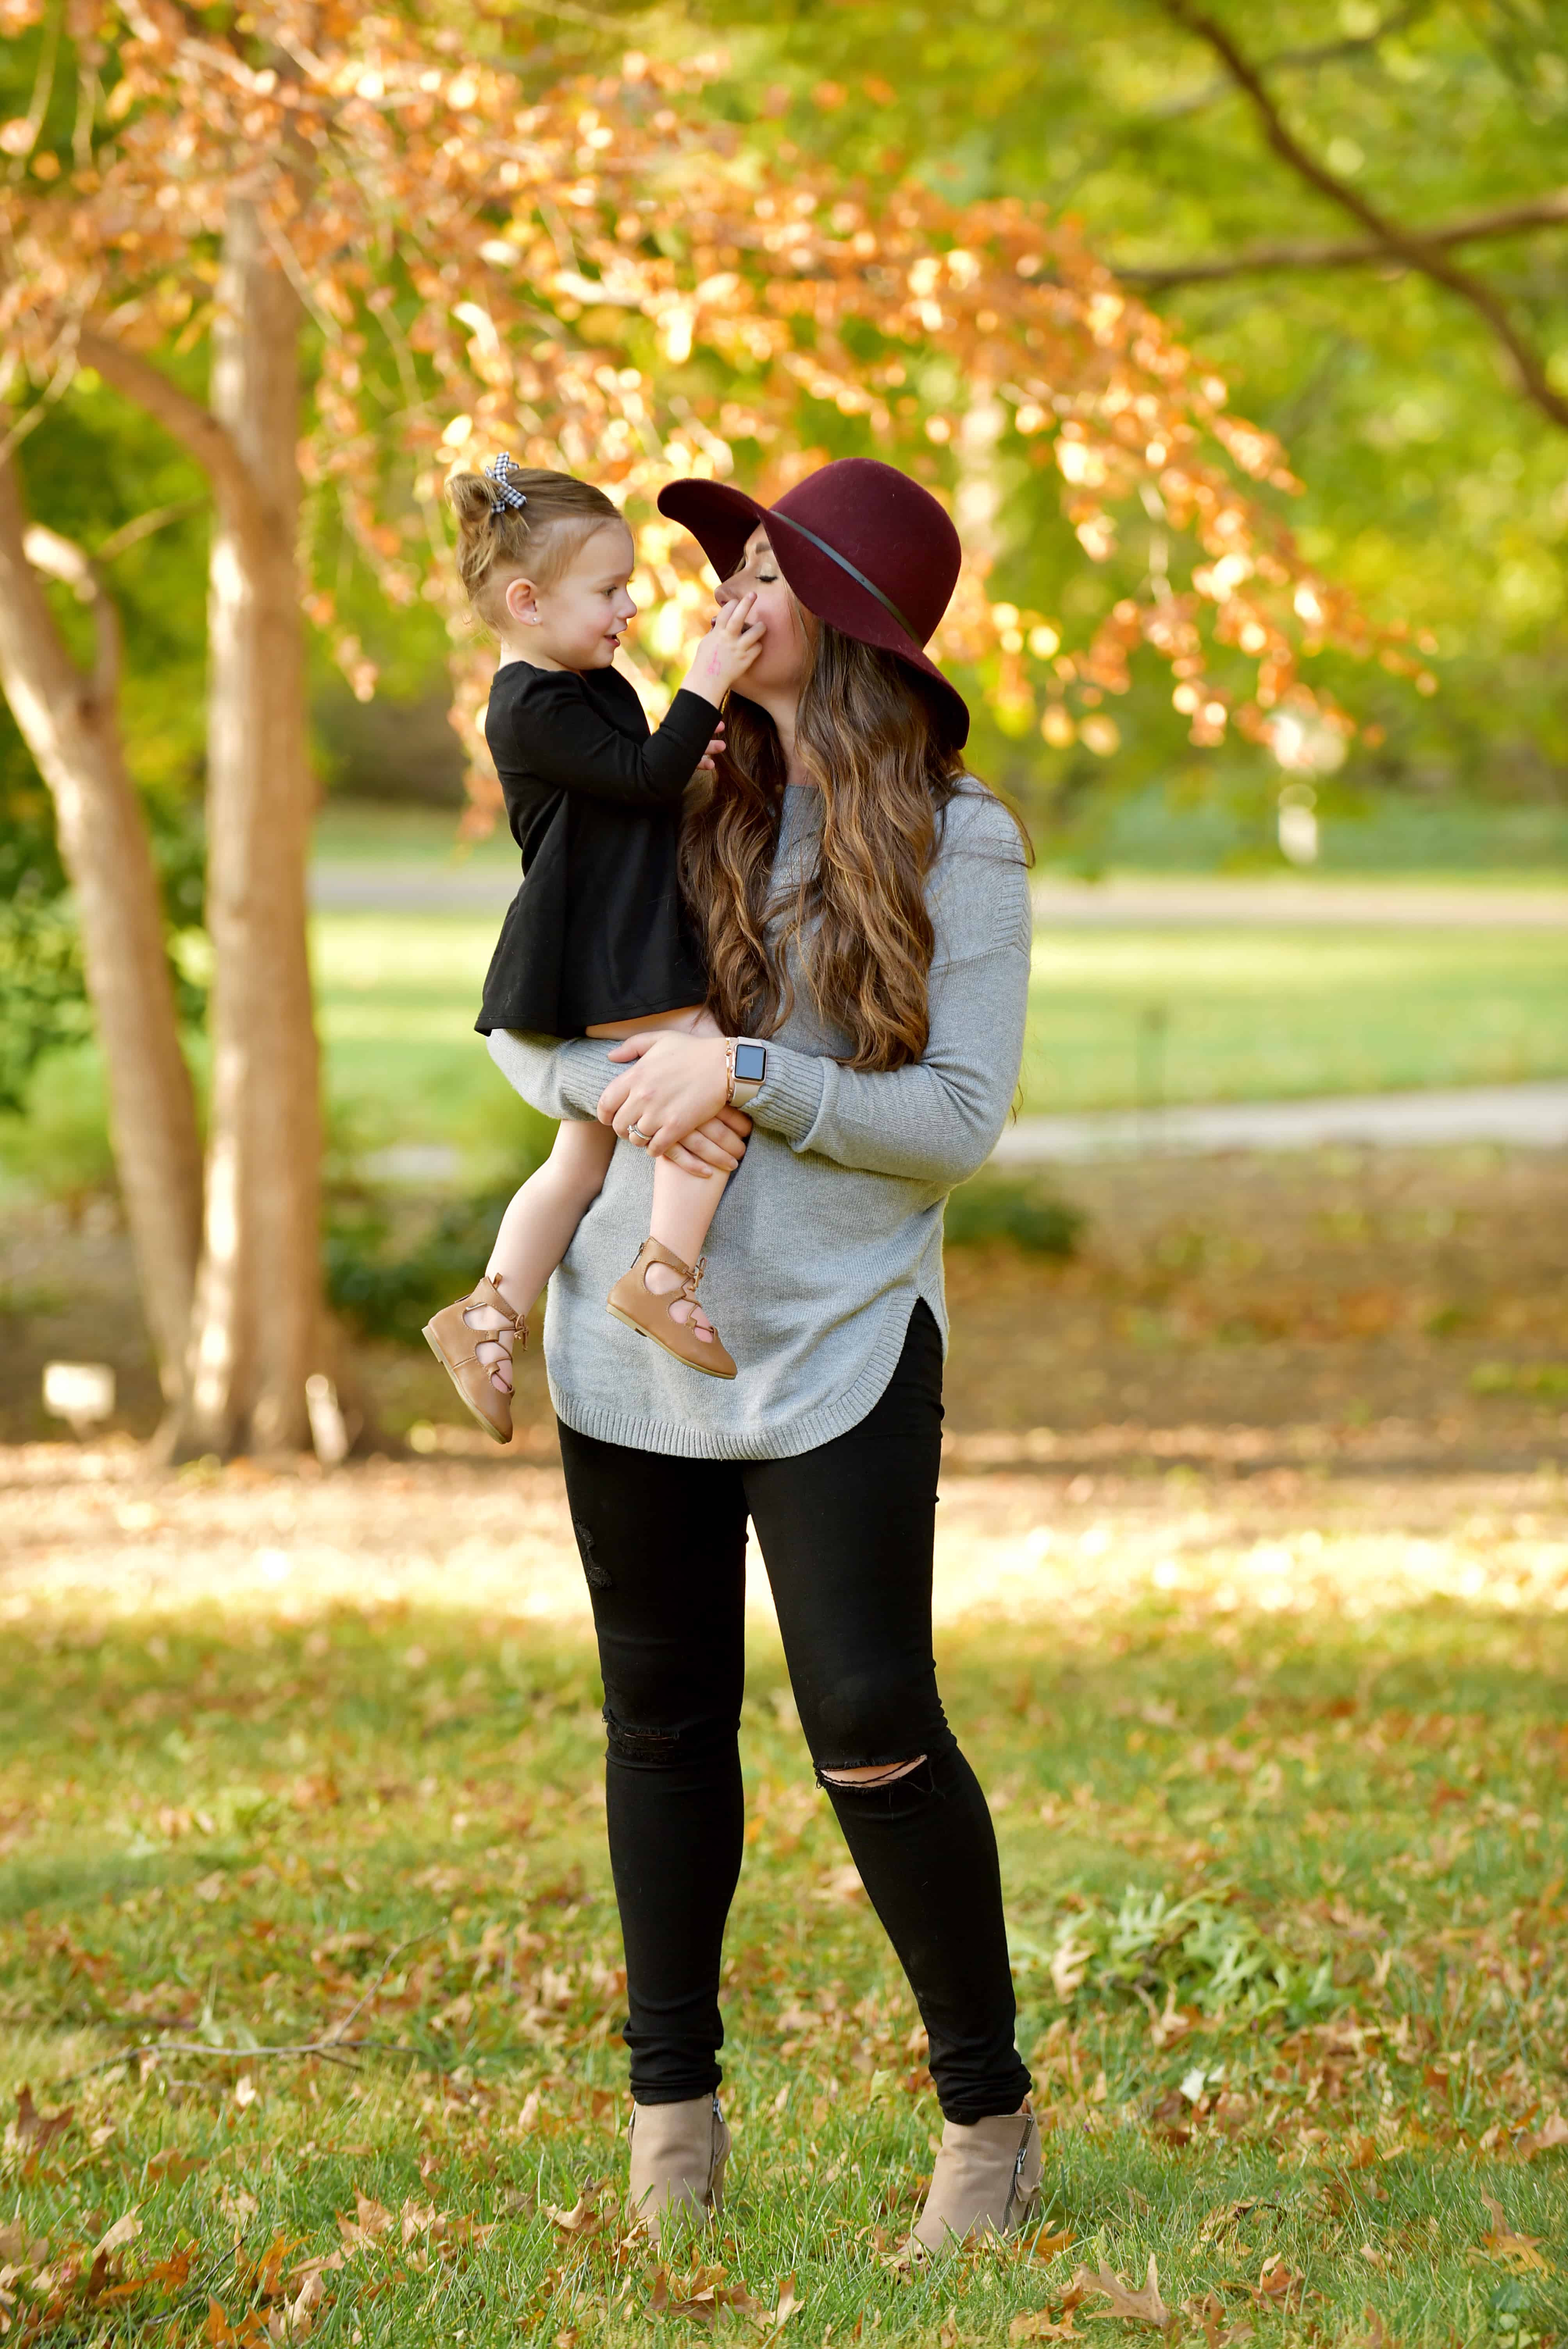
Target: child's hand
(726, 652)
(704, 765)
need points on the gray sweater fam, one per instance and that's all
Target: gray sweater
(832, 1227)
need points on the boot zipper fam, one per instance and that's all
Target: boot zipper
(1018, 2178)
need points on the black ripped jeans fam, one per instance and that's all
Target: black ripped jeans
(846, 1532)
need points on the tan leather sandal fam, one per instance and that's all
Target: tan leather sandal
(455, 1343)
(678, 2158)
(647, 1310)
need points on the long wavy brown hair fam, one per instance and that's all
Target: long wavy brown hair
(867, 742)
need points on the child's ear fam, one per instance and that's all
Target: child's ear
(521, 601)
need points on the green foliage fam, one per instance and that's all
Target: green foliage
(1430, 484)
(1160, 1952)
(42, 995)
(998, 1207)
(391, 1294)
(93, 468)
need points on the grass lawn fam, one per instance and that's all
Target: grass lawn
(1116, 1018)
(1238, 1015)
(1286, 1844)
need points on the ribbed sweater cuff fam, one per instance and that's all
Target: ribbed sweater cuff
(790, 1100)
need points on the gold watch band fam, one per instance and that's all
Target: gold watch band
(741, 1089)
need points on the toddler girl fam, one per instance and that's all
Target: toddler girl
(596, 942)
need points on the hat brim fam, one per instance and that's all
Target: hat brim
(721, 518)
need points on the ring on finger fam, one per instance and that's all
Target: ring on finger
(634, 1133)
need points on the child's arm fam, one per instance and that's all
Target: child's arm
(569, 744)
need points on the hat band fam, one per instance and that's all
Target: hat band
(857, 576)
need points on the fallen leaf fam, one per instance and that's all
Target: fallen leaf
(1517, 2252)
(789, 2303)
(300, 2311)
(581, 2216)
(370, 2221)
(1210, 2312)
(1377, 2334)
(1040, 2326)
(1048, 2246)
(245, 2090)
(1278, 2286)
(320, 2266)
(170, 2167)
(124, 2230)
(17, 2248)
(1552, 2133)
(237, 2204)
(34, 2130)
(1069, 1967)
(1140, 2306)
(1230, 2214)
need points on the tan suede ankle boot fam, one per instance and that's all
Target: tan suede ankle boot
(986, 2181)
(678, 2156)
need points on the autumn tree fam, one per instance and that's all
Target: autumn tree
(394, 256)
(1287, 188)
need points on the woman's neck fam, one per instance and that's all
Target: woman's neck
(783, 708)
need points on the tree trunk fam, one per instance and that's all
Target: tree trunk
(258, 1329)
(71, 722)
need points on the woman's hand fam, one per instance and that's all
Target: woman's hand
(677, 1093)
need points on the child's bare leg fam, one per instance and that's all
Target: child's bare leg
(536, 1232)
(683, 1206)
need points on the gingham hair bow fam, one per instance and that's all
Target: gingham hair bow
(504, 495)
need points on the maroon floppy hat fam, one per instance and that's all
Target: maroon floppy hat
(863, 546)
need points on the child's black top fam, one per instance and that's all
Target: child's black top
(596, 932)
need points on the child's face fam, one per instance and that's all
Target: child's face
(578, 620)
(780, 664)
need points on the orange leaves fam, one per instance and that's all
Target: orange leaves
(549, 264)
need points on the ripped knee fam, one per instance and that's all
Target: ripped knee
(625, 1742)
(873, 1774)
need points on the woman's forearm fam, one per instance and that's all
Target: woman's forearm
(936, 1121)
(559, 1079)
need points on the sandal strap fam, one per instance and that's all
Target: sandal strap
(486, 1293)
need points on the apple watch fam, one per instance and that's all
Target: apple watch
(748, 1068)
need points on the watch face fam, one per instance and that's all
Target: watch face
(751, 1064)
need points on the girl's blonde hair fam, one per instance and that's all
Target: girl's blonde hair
(535, 539)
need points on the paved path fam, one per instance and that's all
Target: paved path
(1201, 902)
(1198, 903)
(1534, 1116)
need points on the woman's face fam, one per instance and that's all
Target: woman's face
(781, 664)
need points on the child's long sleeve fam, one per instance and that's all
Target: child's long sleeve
(572, 745)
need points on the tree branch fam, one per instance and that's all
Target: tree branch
(1398, 243)
(1300, 60)
(1348, 252)
(62, 558)
(195, 428)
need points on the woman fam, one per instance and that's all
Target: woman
(867, 924)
